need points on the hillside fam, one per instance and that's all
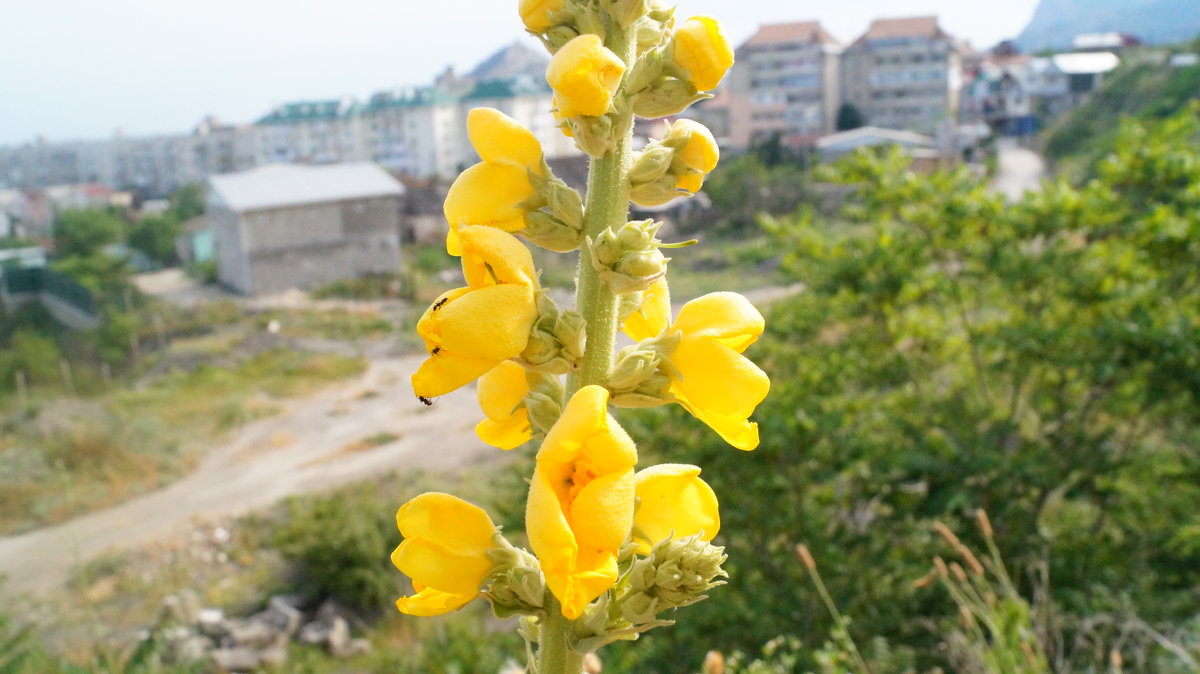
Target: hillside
(1056, 22)
(1142, 90)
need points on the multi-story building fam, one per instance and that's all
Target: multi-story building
(785, 82)
(418, 131)
(904, 74)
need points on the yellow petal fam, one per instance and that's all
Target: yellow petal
(435, 566)
(673, 500)
(501, 392)
(653, 316)
(487, 247)
(602, 513)
(701, 151)
(499, 139)
(502, 389)
(586, 427)
(584, 75)
(702, 49)
(535, 14)
(431, 602)
(726, 317)
(718, 379)
(444, 373)
(739, 432)
(507, 433)
(490, 323)
(488, 194)
(444, 551)
(428, 515)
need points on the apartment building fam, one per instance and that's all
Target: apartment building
(904, 74)
(785, 82)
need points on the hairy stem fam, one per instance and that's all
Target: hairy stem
(554, 653)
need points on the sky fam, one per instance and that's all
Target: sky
(82, 69)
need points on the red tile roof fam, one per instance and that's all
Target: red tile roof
(914, 26)
(800, 31)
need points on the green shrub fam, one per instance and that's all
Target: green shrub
(341, 545)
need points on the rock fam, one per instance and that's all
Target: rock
(255, 633)
(211, 623)
(359, 647)
(274, 657)
(315, 633)
(189, 606)
(339, 637)
(235, 660)
(281, 615)
(192, 648)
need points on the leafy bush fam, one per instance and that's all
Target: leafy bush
(340, 544)
(1039, 360)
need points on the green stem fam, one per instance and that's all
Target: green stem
(607, 206)
(554, 654)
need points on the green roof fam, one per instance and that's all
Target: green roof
(307, 111)
(507, 88)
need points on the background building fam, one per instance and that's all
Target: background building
(785, 82)
(288, 226)
(904, 74)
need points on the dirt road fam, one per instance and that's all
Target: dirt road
(1019, 170)
(314, 444)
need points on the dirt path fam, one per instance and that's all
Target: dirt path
(1019, 170)
(314, 444)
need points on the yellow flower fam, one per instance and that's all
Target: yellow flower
(584, 75)
(444, 552)
(718, 385)
(535, 14)
(580, 507)
(699, 152)
(468, 331)
(702, 50)
(501, 392)
(490, 192)
(673, 502)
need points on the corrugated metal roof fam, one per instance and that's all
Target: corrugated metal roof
(1088, 63)
(277, 185)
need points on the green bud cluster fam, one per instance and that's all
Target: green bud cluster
(542, 403)
(641, 376)
(516, 585)
(676, 574)
(556, 341)
(555, 217)
(628, 259)
(657, 87)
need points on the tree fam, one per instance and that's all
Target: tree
(85, 232)
(849, 117)
(155, 236)
(951, 351)
(188, 201)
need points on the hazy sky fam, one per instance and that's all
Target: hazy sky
(84, 68)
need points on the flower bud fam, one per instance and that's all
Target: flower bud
(540, 15)
(627, 12)
(584, 75)
(633, 366)
(676, 573)
(651, 164)
(696, 153)
(546, 351)
(666, 96)
(649, 264)
(702, 52)
(543, 410)
(517, 585)
(551, 233)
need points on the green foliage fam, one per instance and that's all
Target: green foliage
(1039, 360)
(187, 202)
(1147, 91)
(32, 353)
(745, 187)
(155, 236)
(106, 276)
(340, 544)
(369, 287)
(9, 242)
(84, 233)
(849, 117)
